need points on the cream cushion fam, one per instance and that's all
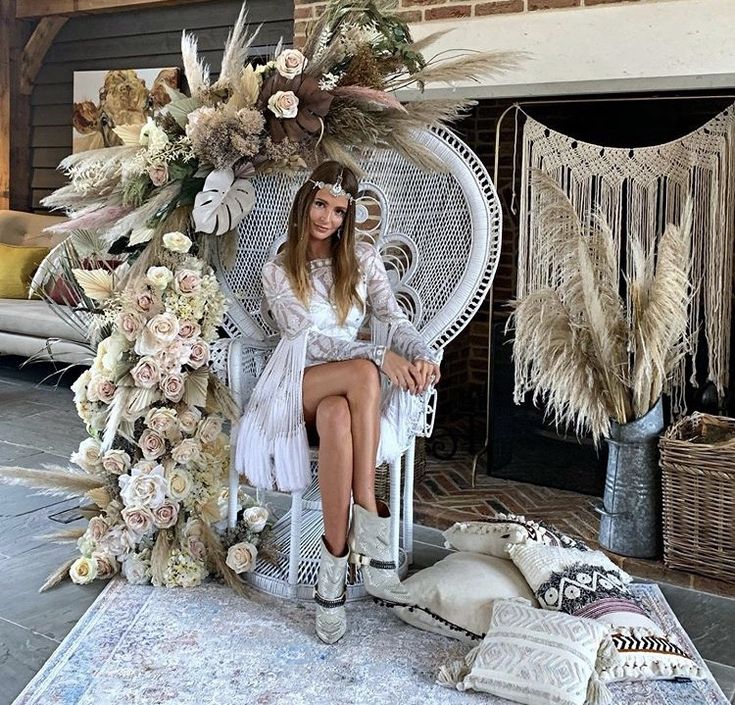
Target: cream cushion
(455, 596)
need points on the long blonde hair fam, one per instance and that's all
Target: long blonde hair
(344, 260)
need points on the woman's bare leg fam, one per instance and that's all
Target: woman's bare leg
(359, 382)
(333, 423)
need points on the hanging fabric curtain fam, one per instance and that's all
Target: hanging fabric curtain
(639, 191)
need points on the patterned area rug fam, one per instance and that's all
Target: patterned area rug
(139, 645)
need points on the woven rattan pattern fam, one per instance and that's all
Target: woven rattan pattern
(698, 481)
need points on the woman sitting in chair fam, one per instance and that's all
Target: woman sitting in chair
(323, 383)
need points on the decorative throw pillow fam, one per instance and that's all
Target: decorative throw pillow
(588, 584)
(17, 265)
(536, 657)
(455, 596)
(492, 536)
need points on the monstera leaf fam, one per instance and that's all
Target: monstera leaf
(223, 202)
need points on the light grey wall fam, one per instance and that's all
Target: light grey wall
(133, 39)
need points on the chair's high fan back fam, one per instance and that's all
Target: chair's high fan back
(439, 234)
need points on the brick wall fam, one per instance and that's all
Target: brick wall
(426, 10)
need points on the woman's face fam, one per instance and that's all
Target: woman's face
(326, 215)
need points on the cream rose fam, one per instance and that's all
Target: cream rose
(136, 570)
(208, 429)
(141, 489)
(162, 420)
(138, 519)
(284, 104)
(151, 444)
(256, 518)
(199, 354)
(145, 467)
(179, 483)
(291, 63)
(188, 419)
(172, 386)
(166, 515)
(108, 361)
(158, 174)
(188, 451)
(188, 330)
(147, 373)
(161, 330)
(187, 282)
(130, 324)
(101, 389)
(160, 277)
(116, 461)
(107, 566)
(83, 570)
(241, 557)
(176, 241)
(89, 455)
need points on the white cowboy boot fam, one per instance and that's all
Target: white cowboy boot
(330, 596)
(369, 543)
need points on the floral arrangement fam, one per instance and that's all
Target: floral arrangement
(155, 464)
(199, 155)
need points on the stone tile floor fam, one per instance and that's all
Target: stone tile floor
(38, 426)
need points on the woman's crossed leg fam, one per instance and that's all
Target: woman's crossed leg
(342, 400)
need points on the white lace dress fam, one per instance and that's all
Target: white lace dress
(272, 446)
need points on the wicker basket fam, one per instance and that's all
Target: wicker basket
(698, 483)
(382, 475)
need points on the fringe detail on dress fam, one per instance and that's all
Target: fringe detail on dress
(400, 419)
(272, 446)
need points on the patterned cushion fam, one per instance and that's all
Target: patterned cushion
(536, 657)
(587, 584)
(455, 596)
(492, 536)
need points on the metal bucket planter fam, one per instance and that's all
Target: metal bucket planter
(631, 507)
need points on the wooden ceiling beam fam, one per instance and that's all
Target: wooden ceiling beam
(35, 50)
(29, 9)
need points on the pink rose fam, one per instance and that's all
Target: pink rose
(97, 528)
(138, 519)
(146, 373)
(187, 282)
(116, 461)
(151, 444)
(189, 330)
(162, 420)
(172, 386)
(130, 324)
(158, 174)
(199, 354)
(284, 104)
(107, 566)
(166, 515)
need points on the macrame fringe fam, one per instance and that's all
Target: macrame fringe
(638, 191)
(452, 674)
(272, 445)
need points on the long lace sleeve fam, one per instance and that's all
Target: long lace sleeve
(293, 318)
(405, 339)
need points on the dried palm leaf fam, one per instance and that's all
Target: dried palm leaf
(220, 398)
(96, 283)
(195, 388)
(64, 483)
(61, 573)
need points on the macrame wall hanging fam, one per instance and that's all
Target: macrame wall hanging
(638, 191)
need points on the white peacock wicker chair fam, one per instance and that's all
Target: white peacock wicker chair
(439, 235)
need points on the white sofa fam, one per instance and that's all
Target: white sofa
(27, 324)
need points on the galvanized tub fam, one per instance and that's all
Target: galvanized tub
(630, 521)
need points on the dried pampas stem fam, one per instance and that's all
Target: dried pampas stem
(65, 483)
(159, 557)
(65, 535)
(61, 573)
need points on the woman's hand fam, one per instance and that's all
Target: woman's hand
(428, 372)
(401, 372)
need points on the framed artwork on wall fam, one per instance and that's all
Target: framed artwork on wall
(119, 98)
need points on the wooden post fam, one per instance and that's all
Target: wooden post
(7, 21)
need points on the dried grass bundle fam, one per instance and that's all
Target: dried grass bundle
(218, 557)
(56, 481)
(574, 347)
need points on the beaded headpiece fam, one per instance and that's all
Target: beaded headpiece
(335, 189)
